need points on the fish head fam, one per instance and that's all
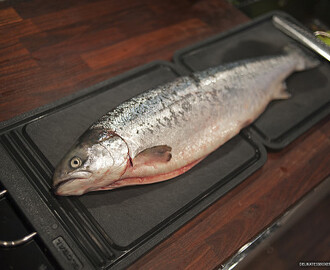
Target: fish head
(98, 159)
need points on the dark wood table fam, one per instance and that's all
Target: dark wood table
(50, 49)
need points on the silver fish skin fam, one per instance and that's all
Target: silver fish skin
(165, 131)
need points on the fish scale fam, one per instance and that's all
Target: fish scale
(181, 106)
(181, 122)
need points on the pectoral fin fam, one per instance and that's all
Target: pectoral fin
(159, 153)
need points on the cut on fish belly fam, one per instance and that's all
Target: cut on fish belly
(149, 179)
(167, 130)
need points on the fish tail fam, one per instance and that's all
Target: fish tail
(304, 59)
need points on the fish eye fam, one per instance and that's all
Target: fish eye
(75, 162)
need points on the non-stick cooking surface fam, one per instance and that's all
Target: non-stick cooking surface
(132, 219)
(129, 213)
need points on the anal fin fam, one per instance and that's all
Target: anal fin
(281, 92)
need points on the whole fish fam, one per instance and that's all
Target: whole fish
(167, 130)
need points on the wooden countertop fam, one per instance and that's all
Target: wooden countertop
(51, 49)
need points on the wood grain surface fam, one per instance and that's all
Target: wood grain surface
(50, 49)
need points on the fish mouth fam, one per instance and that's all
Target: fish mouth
(65, 182)
(81, 175)
(57, 186)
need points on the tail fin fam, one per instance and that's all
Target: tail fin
(305, 60)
